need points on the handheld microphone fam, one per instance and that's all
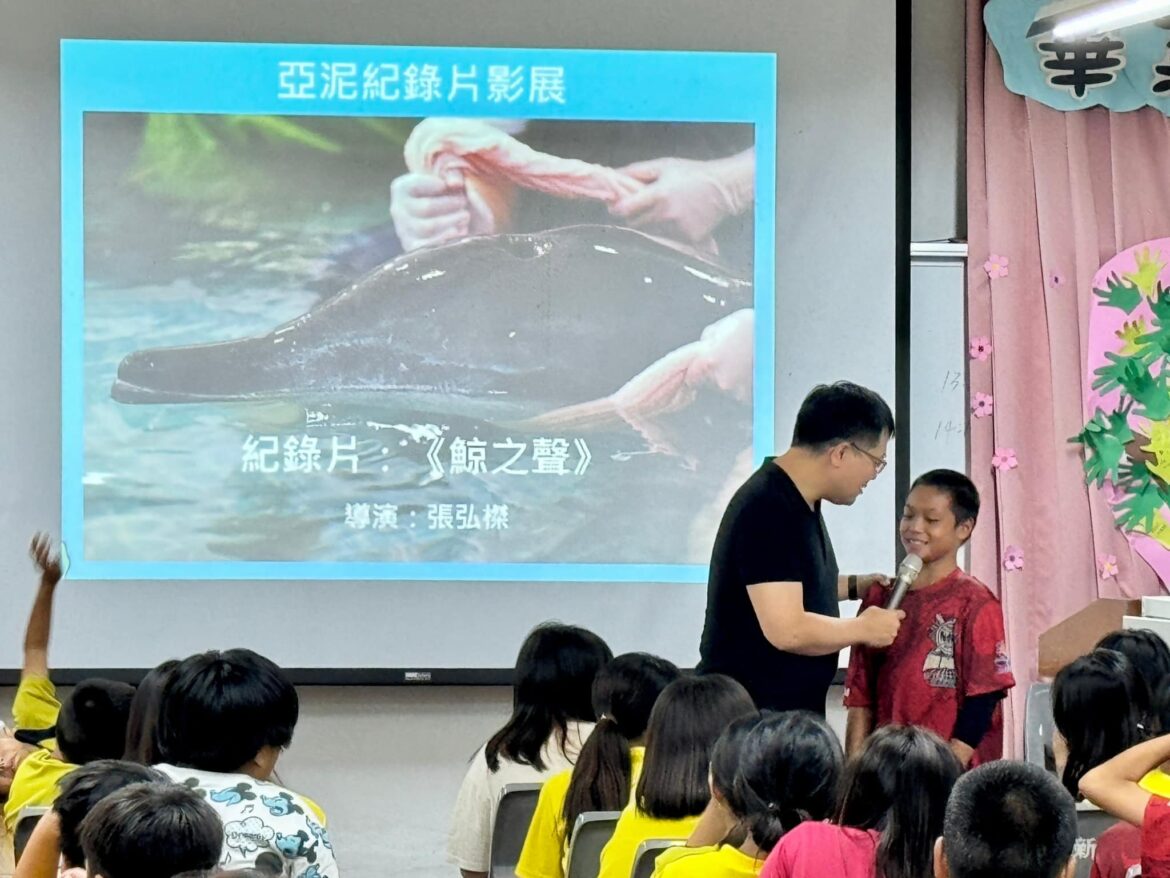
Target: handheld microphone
(908, 571)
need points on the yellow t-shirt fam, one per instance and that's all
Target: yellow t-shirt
(723, 861)
(633, 828)
(1156, 782)
(546, 845)
(35, 783)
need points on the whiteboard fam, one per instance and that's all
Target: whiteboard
(938, 360)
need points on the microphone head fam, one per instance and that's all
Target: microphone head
(910, 567)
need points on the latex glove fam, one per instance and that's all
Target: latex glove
(429, 210)
(686, 199)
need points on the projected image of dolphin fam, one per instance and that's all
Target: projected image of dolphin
(562, 317)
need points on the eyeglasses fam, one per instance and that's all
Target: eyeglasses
(878, 463)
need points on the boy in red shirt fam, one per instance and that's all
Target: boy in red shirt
(948, 670)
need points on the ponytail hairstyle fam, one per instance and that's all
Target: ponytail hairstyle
(686, 720)
(789, 768)
(624, 693)
(899, 784)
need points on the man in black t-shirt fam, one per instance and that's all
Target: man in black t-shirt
(773, 621)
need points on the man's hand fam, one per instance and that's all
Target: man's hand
(880, 626)
(49, 565)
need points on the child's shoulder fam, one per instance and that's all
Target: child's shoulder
(974, 594)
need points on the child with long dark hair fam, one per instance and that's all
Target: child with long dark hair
(893, 798)
(608, 766)
(1100, 708)
(552, 715)
(768, 775)
(673, 789)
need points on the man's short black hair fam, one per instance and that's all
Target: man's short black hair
(83, 788)
(151, 829)
(92, 722)
(841, 412)
(221, 708)
(962, 491)
(1009, 820)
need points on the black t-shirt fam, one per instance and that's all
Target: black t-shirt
(769, 534)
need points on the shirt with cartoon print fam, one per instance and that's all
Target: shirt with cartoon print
(265, 825)
(951, 647)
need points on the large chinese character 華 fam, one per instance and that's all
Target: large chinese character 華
(339, 80)
(422, 83)
(1080, 64)
(505, 84)
(260, 454)
(546, 85)
(297, 80)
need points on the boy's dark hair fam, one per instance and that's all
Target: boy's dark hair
(1009, 820)
(841, 412)
(151, 829)
(686, 720)
(83, 788)
(1150, 657)
(92, 721)
(899, 784)
(624, 693)
(1100, 706)
(962, 491)
(221, 708)
(142, 728)
(552, 686)
(789, 770)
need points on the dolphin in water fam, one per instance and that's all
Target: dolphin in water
(561, 316)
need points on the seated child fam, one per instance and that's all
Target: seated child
(948, 670)
(892, 801)
(768, 776)
(1010, 820)
(56, 841)
(226, 717)
(142, 728)
(151, 829)
(1099, 709)
(608, 766)
(56, 737)
(673, 789)
(552, 715)
(1115, 786)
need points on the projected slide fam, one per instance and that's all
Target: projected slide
(338, 312)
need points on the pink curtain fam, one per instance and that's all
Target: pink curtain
(1055, 194)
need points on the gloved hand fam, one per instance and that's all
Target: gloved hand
(429, 210)
(686, 199)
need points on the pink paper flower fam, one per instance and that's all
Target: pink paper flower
(1004, 459)
(996, 266)
(980, 348)
(1013, 558)
(1056, 280)
(1107, 566)
(981, 404)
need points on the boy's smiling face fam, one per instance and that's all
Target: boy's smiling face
(928, 528)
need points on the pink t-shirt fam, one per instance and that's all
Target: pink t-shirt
(823, 850)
